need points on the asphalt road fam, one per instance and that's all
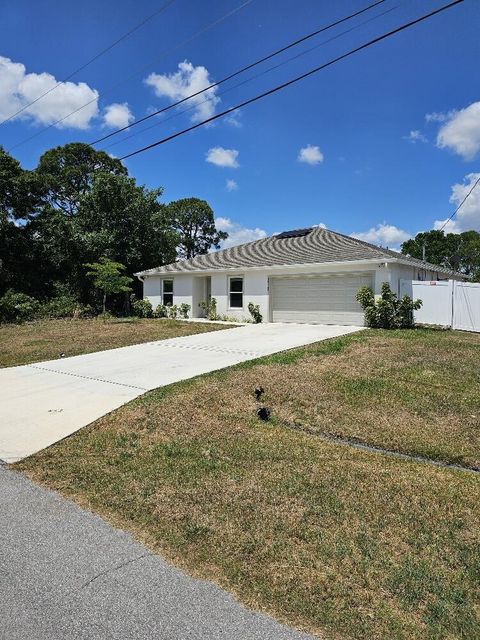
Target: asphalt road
(65, 574)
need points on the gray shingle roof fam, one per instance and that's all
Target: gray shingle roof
(318, 246)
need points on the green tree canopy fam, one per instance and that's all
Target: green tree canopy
(19, 199)
(80, 204)
(125, 222)
(194, 221)
(457, 251)
(67, 173)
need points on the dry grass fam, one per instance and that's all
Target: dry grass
(46, 339)
(335, 540)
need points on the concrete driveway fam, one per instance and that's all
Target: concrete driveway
(47, 401)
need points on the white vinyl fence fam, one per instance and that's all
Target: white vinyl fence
(447, 302)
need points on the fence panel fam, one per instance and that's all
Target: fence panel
(436, 297)
(466, 306)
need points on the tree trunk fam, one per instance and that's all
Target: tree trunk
(104, 301)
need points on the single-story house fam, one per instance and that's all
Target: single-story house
(306, 275)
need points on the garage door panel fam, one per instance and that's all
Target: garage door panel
(318, 299)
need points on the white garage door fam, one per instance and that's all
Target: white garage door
(326, 299)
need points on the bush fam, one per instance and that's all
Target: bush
(172, 311)
(210, 308)
(142, 308)
(255, 312)
(63, 306)
(161, 311)
(18, 307)
(388, 312)
(184, 310)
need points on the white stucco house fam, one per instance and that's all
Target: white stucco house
(306, 275)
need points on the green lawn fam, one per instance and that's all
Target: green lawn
(338, 541)
(46, 339)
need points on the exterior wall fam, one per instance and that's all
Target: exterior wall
(192, 288)
(152, 290)
(255, 289)
(182, 289)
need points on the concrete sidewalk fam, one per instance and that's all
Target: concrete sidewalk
(45, 402)
(67, 575)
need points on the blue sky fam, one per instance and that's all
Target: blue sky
(382, 145)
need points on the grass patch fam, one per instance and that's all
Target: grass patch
(338, 541)
(46, 339)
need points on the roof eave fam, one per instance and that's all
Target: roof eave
(428, 266)
(364, 261)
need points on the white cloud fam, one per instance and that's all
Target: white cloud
(386, 235)
(468, 217)
(310, 154)
(222, 157)
(184, 82)
(18, 88)
(461, 131)
(231, 185)
(436, 116)
(234, 119)
(415, 136)
(117, 115)
(237, 234)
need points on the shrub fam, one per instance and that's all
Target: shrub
(184, 310)
(255, 312)
(210, 308)
(172, 311)
(388, 312)
(142, 308)
(62, 306)
(161, 311)
(18, 307)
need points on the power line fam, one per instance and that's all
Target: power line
(296, 79)
(242, 70)
(251, 78)
(95, 57)
(460, 205)
(164, 53)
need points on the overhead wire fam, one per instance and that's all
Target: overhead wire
(292, 81)
(477, 182)
(243, 69)
(89, 62)
(166, 52)
(247, 80)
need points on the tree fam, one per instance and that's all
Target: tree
(125, 222)
(67, 173)
(194, 221)
(19, 199)
(108, 277)
(456, 251)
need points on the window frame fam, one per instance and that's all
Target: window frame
(168, 293)
(230, 292)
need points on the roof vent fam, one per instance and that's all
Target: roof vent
(295, 233)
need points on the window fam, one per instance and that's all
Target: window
(167, 294)
(236, 293)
